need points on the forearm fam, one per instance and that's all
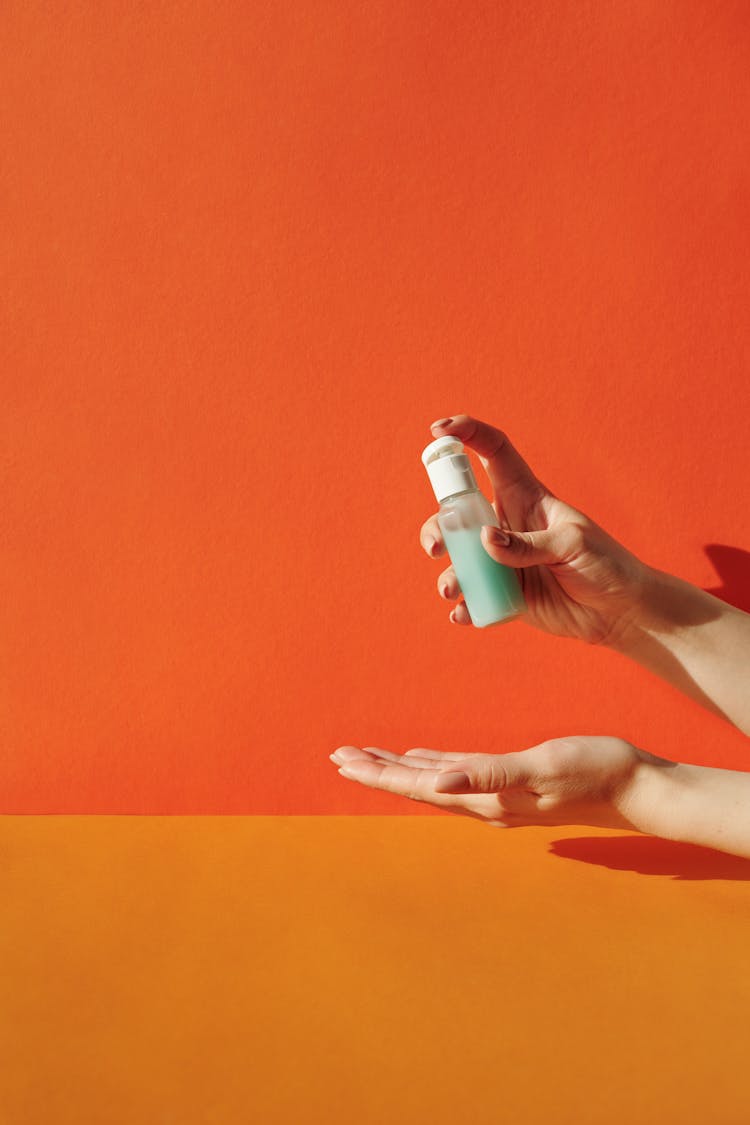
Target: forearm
(693, 640)
(693, 804)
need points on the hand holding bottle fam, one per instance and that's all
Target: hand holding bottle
(577, 580)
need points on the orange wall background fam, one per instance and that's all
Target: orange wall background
(250, 252)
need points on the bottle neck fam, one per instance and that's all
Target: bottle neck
(458, 495)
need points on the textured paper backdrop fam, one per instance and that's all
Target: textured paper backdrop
(250, 252)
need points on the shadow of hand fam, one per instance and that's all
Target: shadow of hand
(732, 565)
(651, 855)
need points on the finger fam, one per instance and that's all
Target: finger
(375, 753)
(412, 759)
(515, 486)
(519, 549)
(491, 773)
(345, 754)
(419, 785)
(348, 754)
(448, 586)
(459, 615)
(414, 784)
(431, 538)
(437, 755)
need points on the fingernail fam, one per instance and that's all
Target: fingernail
(452, 781)
(443, 591)
(441, 422)
(498, 535)
(431, 545)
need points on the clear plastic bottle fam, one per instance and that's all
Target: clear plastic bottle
(491, 591)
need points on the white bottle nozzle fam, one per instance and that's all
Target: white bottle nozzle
(441, 447)
(448, 467)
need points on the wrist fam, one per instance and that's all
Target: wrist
(690, 804)
(660, 604)
(653, 800)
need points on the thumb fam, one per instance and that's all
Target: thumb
(529, 548)
(488, 773)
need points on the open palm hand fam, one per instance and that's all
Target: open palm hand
(577, 780)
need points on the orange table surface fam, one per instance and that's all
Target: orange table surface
(368, 969)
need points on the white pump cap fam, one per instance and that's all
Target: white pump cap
(448, 467)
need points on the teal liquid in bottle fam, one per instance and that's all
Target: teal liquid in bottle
(492, 592)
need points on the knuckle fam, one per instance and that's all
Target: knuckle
(523, 546)
(559, 757)
(500, 441)
(417, 789)
(546, 760)
(498, 775)
(489, 774)
(574, 541)
(569, 755)
(536, 494)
